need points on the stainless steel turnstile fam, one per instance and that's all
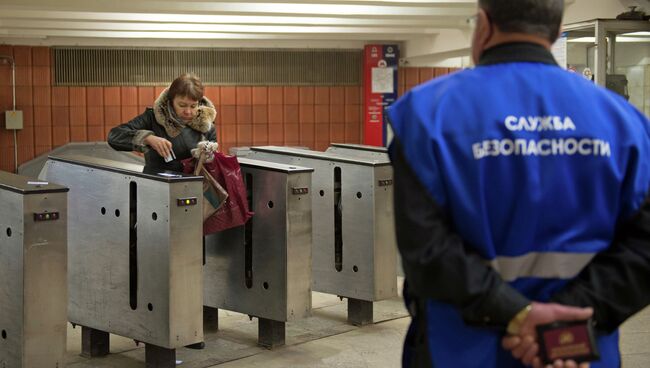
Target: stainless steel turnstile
(263, 268)
(33, 291)
(354, 243)
(370, 152)
(135, 255)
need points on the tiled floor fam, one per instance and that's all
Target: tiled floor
(635, 341)
(324, 340)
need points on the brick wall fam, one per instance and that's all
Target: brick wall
(411, 77)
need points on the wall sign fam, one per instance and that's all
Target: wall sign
(380, 87)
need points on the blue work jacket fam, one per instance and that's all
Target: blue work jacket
(534, 169)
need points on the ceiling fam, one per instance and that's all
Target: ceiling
(300, 23)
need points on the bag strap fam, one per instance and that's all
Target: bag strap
(199, 164)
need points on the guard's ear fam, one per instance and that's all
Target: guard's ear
(482, 34)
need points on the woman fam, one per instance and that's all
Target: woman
(181, 118)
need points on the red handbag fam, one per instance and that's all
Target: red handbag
(227, 172)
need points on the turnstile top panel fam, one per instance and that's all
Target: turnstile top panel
(273, 166)
(94, 149)
(321, 155)
(24, 185)
(362, 147)
(127, 168)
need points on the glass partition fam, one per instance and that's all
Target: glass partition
(615, 54)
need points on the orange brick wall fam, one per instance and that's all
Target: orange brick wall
(277, 115)
(411, 76)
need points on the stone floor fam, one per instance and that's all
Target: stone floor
(323, 340)
(635, 341)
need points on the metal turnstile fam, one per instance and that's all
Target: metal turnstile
(354, 252)
(135, 255)
(263, 268)
(33, 291)
(365, 151)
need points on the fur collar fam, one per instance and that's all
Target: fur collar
(201, 123)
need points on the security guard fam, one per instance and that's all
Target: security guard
(521, 189)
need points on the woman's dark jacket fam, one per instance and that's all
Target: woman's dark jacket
(160, 122)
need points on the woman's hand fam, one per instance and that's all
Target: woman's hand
(160, 145)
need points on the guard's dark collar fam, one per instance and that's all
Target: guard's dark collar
(517, 52)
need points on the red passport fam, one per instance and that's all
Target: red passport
(568, 341)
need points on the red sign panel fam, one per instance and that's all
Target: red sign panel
(380, 87)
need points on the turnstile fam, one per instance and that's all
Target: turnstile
(371, 152)
(354, 252)
(33, 291)
(263, 268)
(135, 255)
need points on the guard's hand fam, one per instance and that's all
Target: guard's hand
(564, 364)
(543, 313)
(524, 346)
(160, 145)
(526, 349)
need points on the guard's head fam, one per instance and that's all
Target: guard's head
(527, 20)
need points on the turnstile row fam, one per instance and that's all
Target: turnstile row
(125, 222)
(262, 269)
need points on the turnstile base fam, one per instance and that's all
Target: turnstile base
(159, 357)
(210, 319)
(270, 333)
(359, 312)
(94, 343)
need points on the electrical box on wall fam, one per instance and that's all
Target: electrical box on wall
(14, 119)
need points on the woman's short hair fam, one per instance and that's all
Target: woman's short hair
(186, 85)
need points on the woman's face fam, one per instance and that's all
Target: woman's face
(185, 107)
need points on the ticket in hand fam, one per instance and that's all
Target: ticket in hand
(171, 156)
